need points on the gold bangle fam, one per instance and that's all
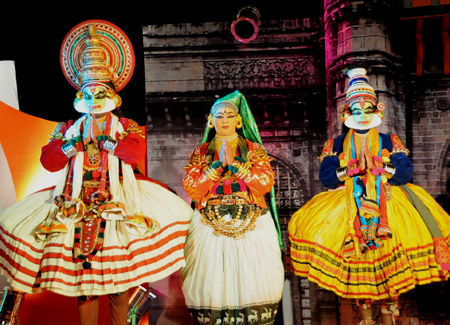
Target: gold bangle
(243, 171)
(342, 173)
(389, 170)
(212, 174)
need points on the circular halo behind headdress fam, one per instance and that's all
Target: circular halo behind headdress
(97, 52)
(359, 90)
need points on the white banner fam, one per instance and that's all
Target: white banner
(8, 84)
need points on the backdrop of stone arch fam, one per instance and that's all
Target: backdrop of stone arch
(291, 193)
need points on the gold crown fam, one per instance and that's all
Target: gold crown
(94, 61)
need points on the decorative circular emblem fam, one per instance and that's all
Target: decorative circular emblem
(118, 49)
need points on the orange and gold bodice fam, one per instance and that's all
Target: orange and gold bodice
(250, 186)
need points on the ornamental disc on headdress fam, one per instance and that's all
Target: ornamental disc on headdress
(110, 55)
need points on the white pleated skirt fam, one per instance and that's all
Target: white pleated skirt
(227, 278)
(125, 260)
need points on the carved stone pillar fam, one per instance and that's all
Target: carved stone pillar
(357, 33)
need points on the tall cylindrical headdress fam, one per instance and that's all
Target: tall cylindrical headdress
(359, 90)
(97, 52)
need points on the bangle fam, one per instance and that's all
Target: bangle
(69, 150)
(389, 170)
(110, 145)
(342, 173)
(212, 174)
(243, 171)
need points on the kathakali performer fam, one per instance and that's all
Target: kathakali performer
(105, 227)
(233, 267)
(373, 235)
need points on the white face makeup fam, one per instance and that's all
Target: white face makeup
(363, 116)
(362, 113)
(95, 98)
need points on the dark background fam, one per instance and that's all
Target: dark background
(31, 35)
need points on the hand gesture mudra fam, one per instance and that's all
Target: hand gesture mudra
(226, 154)
(91, 131)
(365, 157)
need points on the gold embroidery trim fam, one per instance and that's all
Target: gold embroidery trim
(400, 150)
(326, 154)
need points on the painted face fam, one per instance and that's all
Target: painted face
(95, 97)
(225, 121)
(362, 113)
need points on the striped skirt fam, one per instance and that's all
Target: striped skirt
(229, 280)
(125, 260)
(318, 230)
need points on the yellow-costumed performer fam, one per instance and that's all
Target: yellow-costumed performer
(373, 235)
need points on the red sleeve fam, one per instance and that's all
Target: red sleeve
(52, 157)
(196, 183)
(131, 146)
(261, 176)
(131, 149)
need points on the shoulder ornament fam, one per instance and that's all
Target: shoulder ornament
(397, 145)
(327, 150)
(132, 127)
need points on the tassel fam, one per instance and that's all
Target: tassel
(227, 187)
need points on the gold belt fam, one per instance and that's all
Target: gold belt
(231, 216)
(91, 183)
(227, 201)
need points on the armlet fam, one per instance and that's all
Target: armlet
(194, 160)
(400, 150)
(259, 154)
(58, 133)
(327, 150)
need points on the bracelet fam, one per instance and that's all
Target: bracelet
(243, 171)
(240, 169)
(342, 173)
(389, 170)
(69, 150)
(110, 145)
(212, 174)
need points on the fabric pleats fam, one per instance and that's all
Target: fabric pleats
(125, 260)
(227, 278)
(318, 232)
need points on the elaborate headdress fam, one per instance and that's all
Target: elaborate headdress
(96, 52)
(237, 101)
(360, 91)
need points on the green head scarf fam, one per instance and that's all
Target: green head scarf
(251, 132)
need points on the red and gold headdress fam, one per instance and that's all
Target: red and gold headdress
(97, 52)
(359, 90)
